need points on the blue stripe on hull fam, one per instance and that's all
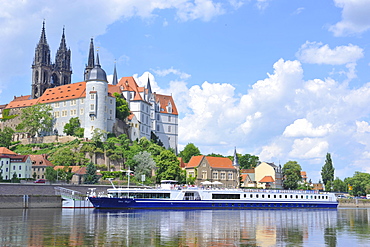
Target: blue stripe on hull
(117, 203)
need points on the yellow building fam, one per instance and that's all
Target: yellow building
(268, 175)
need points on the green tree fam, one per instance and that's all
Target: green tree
(36, 119)
(50, 174)
(63, 157)
(360, 183)
(15, 178)
(339, 185)
(6, 137)
(145, 164)
(292, 175)
(90, 177)
(122, 109)
(327, 173)
(168, 167)
(73, 127)
(189, 151)
(248, 161)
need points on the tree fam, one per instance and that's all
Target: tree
(360, 184)
(73, 127)
(248, 161)
(189, 151)
(50, 174)
(145, 164)
(292, 175)
(6, 137)
(168, 167)
(36, 119)
(122, 109)
(90, 177)
(327, 173)
(339, 185)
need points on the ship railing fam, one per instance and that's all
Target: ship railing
(285, 191)
(71, 194)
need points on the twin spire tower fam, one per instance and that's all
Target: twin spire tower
(46, 74)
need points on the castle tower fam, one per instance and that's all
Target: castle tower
(96, 101)
(62, 68)
(45, 74)
(90, 62)
(41, 67)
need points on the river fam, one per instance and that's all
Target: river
(89, 227)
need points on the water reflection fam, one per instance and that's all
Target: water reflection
(88, 227)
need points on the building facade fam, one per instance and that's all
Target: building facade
(12, 163)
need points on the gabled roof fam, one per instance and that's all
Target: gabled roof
(74, 168)
(129, 84)
(267, 179)
(214, 162)
(164, 101)
(5, 151)
(18, 158)
(40, 160)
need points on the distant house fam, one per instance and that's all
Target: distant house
(206, 168)
(39, 164)
(268, 175)
(304, 176)
(78, 173)
(248, 178)
(11, 163)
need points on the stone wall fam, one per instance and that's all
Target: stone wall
(30, 201)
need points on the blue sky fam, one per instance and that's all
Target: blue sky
(281, 79)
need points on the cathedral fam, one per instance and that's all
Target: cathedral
(92, 100)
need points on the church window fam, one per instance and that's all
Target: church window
(92, 96)
(92, 107)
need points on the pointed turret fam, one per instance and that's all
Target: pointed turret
(236, 160)
(115, 79)
(91, 60)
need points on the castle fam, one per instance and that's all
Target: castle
(92, 100)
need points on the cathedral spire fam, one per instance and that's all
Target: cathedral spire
(43, 35)
(235, 161)
(91, 60)
(62, 68)
(148, 86)
(115, 79)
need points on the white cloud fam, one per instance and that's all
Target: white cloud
(317, 53)
(171, 70)
(303, 128)
(270, 152)
(298, 11)
(262, 4)
(362, 126)
(308, 148)
(355, 17)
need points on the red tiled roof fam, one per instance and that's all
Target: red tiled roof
(40, 160)
(182, 164)
(21, 103)
(5, 151)
(194, 161)
(247, 171)
(18, 158)
(129, 84)
(64, 92)
(215, 162)
(303, 174)
(267, 179)
(164, 101)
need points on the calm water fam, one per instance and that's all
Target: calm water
(88, 227)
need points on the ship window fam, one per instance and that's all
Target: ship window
(280, 196)
(268, 196)
(291, 196)
(257, 196)
(274, 196)
(225, 196)
(286, 196)
(301, 196)
(296, 196)
(251, 195)
(263, 196)
(315, 197)
(245, 195)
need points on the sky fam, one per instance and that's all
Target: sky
(280, 79)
